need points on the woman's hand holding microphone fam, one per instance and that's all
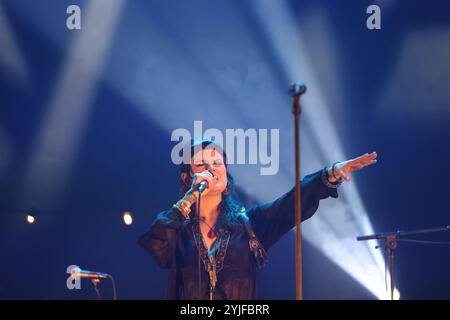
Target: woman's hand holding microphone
(191, 196)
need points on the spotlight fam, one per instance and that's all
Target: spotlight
(31, 218)
(127, 218)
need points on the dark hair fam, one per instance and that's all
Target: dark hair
(231, 210)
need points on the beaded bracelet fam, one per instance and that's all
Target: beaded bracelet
(182, 204)
(332, 170)
(183, 207)
(325, 179)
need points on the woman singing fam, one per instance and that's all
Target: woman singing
(215, 254)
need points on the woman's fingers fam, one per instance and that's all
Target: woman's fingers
(363, 161)
(369, 159)
(357, 163)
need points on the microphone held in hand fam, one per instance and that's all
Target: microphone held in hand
(200, 187)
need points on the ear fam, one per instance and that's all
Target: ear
(186, 179)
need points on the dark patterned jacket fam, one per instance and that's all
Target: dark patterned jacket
(175, 244)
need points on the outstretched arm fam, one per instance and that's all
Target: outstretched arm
(274, 219)
(341, 170)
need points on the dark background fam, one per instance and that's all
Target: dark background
(122, 155)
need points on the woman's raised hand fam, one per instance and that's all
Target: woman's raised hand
(343, 169)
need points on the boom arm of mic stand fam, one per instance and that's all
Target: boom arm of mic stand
(391, 244)
(400, 233)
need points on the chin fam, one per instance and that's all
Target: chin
(217, 190)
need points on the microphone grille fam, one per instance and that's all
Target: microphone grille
(296, 89)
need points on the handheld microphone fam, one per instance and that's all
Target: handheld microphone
(90, 274)
(200, 187)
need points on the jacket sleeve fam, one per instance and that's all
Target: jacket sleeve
(274, 219)
(162, 237)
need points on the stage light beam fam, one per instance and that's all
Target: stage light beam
(69, 106)
(335, 233)
(11, 59)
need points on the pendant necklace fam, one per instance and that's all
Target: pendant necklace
(212, 233)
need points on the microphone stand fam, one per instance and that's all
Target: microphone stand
(95, 278)
(96, 282)
(295, 91)
(200, 189)
(199, 270)
(391, 239)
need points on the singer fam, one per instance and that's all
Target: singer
(214, 253)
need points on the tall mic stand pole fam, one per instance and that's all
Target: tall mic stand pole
(295, 91)
(96, 283)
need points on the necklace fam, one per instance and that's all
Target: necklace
(212, 233)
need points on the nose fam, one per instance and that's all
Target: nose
(210, 168)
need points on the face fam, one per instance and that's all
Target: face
(212, 160)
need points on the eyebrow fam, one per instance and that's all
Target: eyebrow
(202, 162)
